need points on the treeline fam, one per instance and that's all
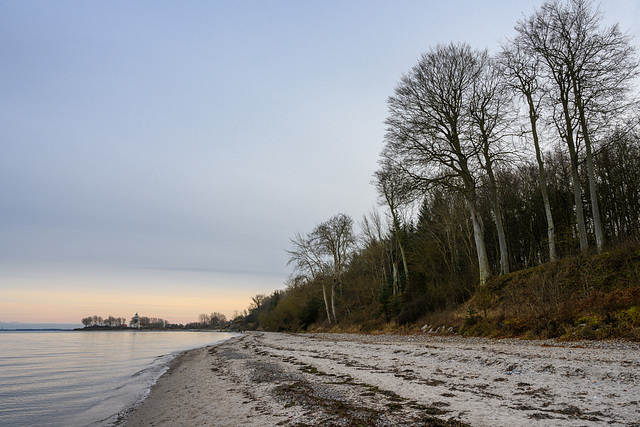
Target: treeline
(118, 322)
(214, 320)
(150, 322)
(491, 163)
(109, 321)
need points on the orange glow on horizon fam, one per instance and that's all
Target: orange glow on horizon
(178, 297)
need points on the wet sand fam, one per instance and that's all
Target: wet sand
(268, 379)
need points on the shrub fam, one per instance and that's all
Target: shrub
(472, 317)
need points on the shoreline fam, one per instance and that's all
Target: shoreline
(174, 363)
(262, 379)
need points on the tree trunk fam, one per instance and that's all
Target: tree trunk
(326, 303)
(595, 209)
(333, 301)
(471, 197)
(478, 234)
(577, 197)
(497, 213)
(502, 239)
(551, 231)
(396, 226)
(395, 278)
(406, 268)
(577, 189)
(542, 178)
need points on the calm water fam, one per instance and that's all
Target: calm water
(66, 378)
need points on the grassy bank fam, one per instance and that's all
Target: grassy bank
(584, 297)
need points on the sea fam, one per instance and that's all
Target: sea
(81, 378)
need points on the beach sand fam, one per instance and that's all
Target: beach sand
(268, 379)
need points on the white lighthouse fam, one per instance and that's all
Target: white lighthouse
(135, 321)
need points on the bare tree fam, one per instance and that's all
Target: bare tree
(307, 257)
(521, 71)
(204, 319)
(336, 239)
(592, 70)
(217, 319)
(600, 65)
(325, 251)
(426, 142)
(372, 238)
(536, 35)
(490, 119)
(372, 228)
(391, 191)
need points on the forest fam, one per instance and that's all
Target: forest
(509, 195)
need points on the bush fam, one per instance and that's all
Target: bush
(311, 312)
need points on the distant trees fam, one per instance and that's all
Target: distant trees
(213, 320)
(153, 322)
(109, 321)
(118, 322)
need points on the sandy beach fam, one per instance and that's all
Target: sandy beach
(268, 379)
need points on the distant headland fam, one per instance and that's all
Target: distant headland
(213, 321)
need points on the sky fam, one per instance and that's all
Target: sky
(157, 156)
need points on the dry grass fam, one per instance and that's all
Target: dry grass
(553, 300)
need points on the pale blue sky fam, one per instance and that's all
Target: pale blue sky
(147, 136)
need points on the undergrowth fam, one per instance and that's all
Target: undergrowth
(586, 297)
